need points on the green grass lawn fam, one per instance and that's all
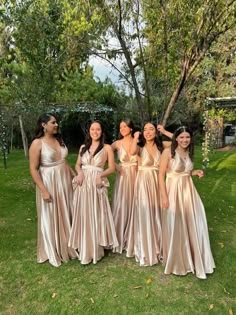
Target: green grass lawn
(116, 285)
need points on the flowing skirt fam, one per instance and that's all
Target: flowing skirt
(145, 234)
(93, 227)
(186, 245)
(122, 204)
(54, 218)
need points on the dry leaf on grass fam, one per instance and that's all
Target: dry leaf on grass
(211, 306)
(54, 295)
(116, 295)
(138, 287)
(221, 245)
(92, 300)
(149, 280)
(147, 295)
(227, 292)
(231, 312)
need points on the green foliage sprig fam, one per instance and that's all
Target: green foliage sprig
(3, 138)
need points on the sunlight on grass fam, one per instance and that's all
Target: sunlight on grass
(227, 163)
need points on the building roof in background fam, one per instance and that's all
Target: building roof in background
(221, 102)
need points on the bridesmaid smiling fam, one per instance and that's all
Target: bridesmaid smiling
(186, 245)
(52, 176)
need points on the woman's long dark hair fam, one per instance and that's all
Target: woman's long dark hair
(174, 143)
(88, 140)
(39, 132)
(157, 139)
(130, 124)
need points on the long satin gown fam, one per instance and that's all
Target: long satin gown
(145, 233)
(122, 198)
(54, 218)
(186, 245)
(93, 227)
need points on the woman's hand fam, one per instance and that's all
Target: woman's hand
(120, 170)
(161, 129)
(46, 196)
(99, 181)
(137, 134)
(198, 173)
(79, 178)
(165, 203)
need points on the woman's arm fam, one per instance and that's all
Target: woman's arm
(71, 169)
(115, 147)
(34, 160)
(134, 143)
(198, 173)
(164, 132)
(165, 157)
(110, 161)
(111, 166)
(79, 178)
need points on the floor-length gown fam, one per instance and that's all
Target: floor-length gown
(145, 234)
(186, 245)
(92, 227)
(122, 198)
(54, 218)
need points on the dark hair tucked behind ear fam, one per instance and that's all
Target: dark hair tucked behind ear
(157, 139)
(39, 132)
(174, 143)
(88, 140)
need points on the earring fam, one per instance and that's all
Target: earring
(44, 129)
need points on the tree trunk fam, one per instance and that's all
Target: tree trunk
(24, 138)
(176, 93)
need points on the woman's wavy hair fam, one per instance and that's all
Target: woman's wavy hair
(157, 139)
(39, 132)
(174, 143)
(88, 139)
(130, 124)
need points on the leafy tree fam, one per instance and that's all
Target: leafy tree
(184, 32)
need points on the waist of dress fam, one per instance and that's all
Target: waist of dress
(50, 164)
(176, 174)
(128, 164)
(92, 167)
(144, 168)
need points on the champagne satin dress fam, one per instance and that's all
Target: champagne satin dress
(54, 218)
(145, 233)
(186, 245)
(122, 198)
(93, 227)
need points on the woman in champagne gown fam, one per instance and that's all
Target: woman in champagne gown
(92, 227)
(145, 233)
(53, 177)
(186, 245)
(123, 191)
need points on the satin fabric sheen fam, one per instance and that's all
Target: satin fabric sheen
(145, 233)
(123, 196)
(186, 245)
(93, 227)
(54, 218)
